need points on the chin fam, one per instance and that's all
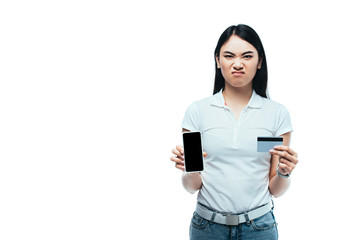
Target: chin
(239, 84)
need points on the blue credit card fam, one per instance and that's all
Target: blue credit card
(264, 144)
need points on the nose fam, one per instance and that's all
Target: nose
(238, 64)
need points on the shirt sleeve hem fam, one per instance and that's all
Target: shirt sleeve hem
(283, 131)
(188, 127)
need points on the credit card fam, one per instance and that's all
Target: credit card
(264, 144)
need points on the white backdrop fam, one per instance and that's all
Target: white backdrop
(92, 95)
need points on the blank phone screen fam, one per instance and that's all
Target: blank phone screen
(193, 152)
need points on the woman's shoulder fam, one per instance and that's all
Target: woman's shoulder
(205, 101)
(274, 106)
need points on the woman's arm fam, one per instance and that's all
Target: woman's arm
(191, 181)
(286, 158)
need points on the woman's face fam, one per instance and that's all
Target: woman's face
(238, 61)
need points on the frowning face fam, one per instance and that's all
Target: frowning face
(238, 61)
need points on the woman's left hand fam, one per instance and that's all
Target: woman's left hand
(288, 159)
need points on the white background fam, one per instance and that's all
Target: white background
(93, 93)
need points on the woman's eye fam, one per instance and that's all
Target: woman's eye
(227, 56)
(247, 56)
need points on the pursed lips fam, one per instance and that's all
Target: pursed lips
(238, 73)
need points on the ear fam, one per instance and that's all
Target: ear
(260, 62)
(217, 61)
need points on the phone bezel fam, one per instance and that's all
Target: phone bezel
(202, 155)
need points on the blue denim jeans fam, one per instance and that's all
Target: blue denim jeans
(261, 228)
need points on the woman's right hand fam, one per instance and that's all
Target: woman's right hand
(179, 157)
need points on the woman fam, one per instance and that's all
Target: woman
(238, 182)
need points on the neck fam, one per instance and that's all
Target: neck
(237, 96)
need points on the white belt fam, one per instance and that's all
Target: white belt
(232, 219)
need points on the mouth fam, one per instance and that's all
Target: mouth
(237, 73)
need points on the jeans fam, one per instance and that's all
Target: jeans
(261, 228)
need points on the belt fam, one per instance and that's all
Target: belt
(232, 219)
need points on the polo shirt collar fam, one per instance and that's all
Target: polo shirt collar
(218, 100)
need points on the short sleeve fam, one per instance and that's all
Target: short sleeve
(283, 123)
(191, 119)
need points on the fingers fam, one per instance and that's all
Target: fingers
(180, 167)
(288, 159)
(285, 166)
(179, 164)
(179, 157)
(285, 152)
(180, 149)
(287, 149)
(177, 160)
(284, 169)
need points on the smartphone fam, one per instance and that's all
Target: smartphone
(193, 152)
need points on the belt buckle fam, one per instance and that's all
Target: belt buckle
(232, 220)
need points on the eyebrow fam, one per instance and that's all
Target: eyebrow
(228, 52)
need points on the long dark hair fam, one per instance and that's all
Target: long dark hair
(248, 34)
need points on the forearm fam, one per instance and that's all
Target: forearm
(191, 181)
(279, 185)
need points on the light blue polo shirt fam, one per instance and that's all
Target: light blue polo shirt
(235, 176)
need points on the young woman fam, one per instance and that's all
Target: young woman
(238, 182)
